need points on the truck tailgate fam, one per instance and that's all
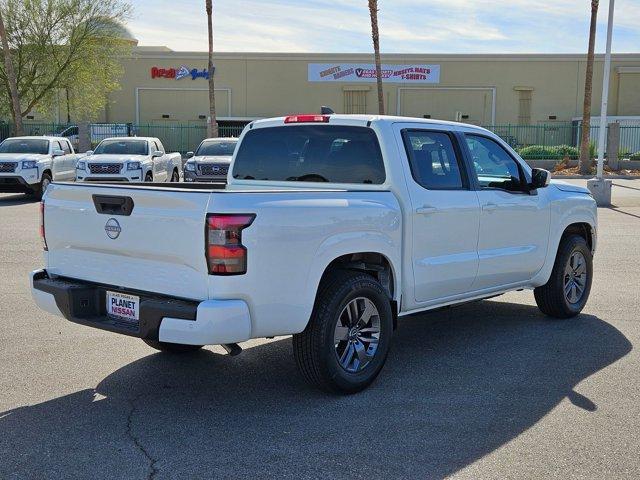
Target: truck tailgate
(158, 247)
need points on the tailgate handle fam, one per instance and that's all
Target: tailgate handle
(110, 205)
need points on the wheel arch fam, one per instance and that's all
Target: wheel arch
(377, 264)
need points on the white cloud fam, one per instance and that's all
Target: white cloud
(457, 26)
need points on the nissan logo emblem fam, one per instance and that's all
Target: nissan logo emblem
(112, 228)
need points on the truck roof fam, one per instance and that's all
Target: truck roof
(35, 137)
(130, 138)
(338, 118)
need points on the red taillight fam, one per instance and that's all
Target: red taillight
(225, 253)
(307, 118)
(42, 234)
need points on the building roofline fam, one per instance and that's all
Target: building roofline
(365, 57)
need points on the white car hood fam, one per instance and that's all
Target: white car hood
(212, 159)
(19, 157)
(569, 187)
(109, 158)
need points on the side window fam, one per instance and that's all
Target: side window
(433, 160)
(158, 146)
(56, 146)
(66, 148)
(493, 165)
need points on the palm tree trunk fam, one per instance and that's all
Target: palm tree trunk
(585, 155)
(373, 12)
(11, 79)
(213, 122)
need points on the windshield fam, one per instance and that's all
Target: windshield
(122, 147)
(22, 145)
(310, 153)
(212, 149)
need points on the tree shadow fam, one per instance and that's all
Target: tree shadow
(458, 384)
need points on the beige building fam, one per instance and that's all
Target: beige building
(163, 86)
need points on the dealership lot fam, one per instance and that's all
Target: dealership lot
(487, 390)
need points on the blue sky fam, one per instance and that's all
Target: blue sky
(406, 26)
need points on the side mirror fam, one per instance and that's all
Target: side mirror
(189, 154)
(57, 152)
(540, 178)
(88, 152)
(157, 153)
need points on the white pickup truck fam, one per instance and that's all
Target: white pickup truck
(130, 159)
(29, 164)
(331, 228)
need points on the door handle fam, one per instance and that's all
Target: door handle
(426, 210)
(489, 207)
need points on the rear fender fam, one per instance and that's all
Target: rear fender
(348, 243)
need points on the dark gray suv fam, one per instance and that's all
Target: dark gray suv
(211, 160)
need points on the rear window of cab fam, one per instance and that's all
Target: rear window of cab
(310, 153)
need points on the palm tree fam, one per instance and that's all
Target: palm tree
(213, 123)
(373, 12)
(11, 79)
(585, 154)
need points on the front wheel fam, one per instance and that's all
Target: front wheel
(346, 342)
(567, 291)
(148, 177)
(175, 177)
(45, 181)
(172, 347)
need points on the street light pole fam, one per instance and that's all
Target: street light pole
(605, 93)
(599, 187)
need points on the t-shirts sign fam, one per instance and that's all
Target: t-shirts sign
(365, 72)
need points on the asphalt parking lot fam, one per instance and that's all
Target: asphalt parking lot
(487, 390)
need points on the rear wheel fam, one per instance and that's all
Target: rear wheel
(148, 177)
(567, 291)
(175, 177)
(346, 342)
(172, 347)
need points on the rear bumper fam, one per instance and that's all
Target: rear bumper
(15, 184)
(167, 319)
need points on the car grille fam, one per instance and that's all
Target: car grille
(8, 167)
(214, 169)
(105, 168)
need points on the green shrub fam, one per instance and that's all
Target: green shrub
(635, 156)
(541, 152)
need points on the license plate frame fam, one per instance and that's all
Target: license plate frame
(123, 306)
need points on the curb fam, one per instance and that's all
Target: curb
(588, 177)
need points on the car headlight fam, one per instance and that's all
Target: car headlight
(29, 164)
(81, 165)
(133, 166)
(190, 166)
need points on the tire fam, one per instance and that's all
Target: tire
(551, 297)
(323, 362)
(175, 176)
(42, 186)
(148, 177)
(172, 347)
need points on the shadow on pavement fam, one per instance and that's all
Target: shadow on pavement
(17, 199)
(458, 384)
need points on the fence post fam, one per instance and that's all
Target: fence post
(613, 145)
